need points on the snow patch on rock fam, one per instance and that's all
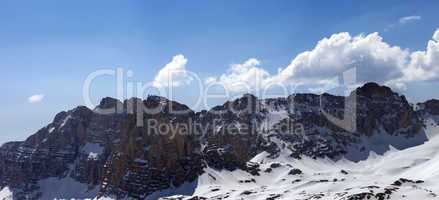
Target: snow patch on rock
(65, 188)
(93, 150)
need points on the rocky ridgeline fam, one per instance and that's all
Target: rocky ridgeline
(113, 152)
(430, 107)
(379, 114)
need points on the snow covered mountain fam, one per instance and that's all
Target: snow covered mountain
(299, 147)
(398, 174)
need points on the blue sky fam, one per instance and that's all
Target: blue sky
(49, 47)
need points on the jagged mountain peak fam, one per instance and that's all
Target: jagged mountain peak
(372, 89)
(431, 106)
(108, 102)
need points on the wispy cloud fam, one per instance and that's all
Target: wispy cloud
(403, 21)
(35, 98)
(407, 19)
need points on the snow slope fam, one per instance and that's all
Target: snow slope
(319, 179)
(398, 174)
(65, 188)
(6, 194)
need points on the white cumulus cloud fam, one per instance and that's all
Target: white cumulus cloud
(372, 58)
(35, 98)
(242, 77)
(424, 65)
(173, 74)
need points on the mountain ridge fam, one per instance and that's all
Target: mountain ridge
(111, 154)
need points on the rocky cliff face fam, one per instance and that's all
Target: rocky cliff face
(430, 107)
(132, 153)
(75, 144)
(146, 158)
